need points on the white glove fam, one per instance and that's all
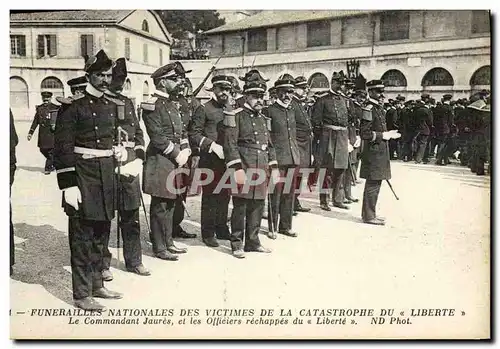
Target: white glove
(217, 149)
(72, 196)
(350, 147)
(392, 134)
(133, 168)
(183, 157)
(240, 177)
(358, 142)
(120, 153)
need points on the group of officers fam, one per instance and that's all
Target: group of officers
(98, 151)
(443, 129)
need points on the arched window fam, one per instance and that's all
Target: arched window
(19, 97)
(319, 81)
(437, 77)
(394, 78)
(145, 26)
(482, 76)
(53, 85)
(145, 91)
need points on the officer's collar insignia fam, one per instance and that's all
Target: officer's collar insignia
(93, 91)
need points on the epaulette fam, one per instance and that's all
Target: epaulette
(367, 112)
(230, 118)
(115, 100)
(150, 104)
(64, 100)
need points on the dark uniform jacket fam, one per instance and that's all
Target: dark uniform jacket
(424, 120)
(330, 120)
(127, 119)
(283, 134)
(443, 119)
(375, 163)
(45, 117)
(303, 131)
(168, 137)
(248, 145)
(392, 118)
(14, 140)
(89, 123)
(206, 128)
(355, 114)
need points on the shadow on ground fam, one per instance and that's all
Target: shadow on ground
(41, 258)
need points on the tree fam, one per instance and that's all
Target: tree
(185, 26)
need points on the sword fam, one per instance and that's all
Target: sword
(390, 186)
(120, 132)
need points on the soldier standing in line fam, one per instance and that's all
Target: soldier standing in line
(463, 132)
(248, 146)
(206, 133)
(168, 149)
(443, 122)
(186, 109)
(304, 133)
(14, 140)
(85, 158)
(284, 139)
(330, 120)
(392, 124)
(45, 117)
(423, 119)
(128, 183)
(252, 75)
(375, 164)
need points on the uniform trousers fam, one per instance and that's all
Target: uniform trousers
(282, 202)
(49, 158)
(422, 146)
(370, 198)
(163, 214)
(442, 152)
(214, 211)
(131, 236)
(337, 178)
(245, 223)
(86, 241)
(178, 214)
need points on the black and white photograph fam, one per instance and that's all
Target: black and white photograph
(250, 174)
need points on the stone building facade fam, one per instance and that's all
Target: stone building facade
(48, 48)
(412, 51)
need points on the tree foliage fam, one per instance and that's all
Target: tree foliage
(181, 22)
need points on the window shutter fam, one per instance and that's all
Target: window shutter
(53, 46)
(41, 46)
(83, 46)
(90, 45)
(22, 46)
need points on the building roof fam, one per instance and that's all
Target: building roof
(71, 16)
(274, 18)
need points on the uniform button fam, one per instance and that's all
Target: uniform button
(93, 114)
(105, 102)
(258, 151)
(289, 129)
(111, 114)
(98, 141)
(256, 133)
(253, 123)
(132, 124)
(258, 142)
(96, 128)
(91, 102)
(130, 112)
